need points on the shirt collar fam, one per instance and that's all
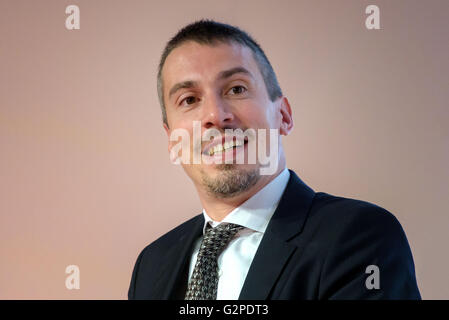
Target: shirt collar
(256, 212)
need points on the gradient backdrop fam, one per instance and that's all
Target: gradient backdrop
(85, 176)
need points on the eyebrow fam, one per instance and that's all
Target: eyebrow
(222, 75)
(182, 85)
(228, 73)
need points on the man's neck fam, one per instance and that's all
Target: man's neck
(219, 208)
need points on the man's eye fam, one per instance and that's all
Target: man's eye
(237, 90)
(188, 100)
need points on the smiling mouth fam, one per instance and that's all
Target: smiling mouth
(220, 148)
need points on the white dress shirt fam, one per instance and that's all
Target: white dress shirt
(254, 214)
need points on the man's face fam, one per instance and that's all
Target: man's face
(222, 87)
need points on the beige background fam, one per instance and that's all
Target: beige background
(85, 176)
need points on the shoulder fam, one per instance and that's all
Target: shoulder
(354, 235)
(165, 242)
(346, 210)
(325, 213)
(337, 216)
(152, 255)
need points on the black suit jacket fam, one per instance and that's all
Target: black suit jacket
(316, 246)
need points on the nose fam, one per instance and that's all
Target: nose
(216, 113)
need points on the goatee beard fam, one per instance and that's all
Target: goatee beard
(231, 180)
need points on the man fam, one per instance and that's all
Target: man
(260, 236)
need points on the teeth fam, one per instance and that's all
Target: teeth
(225, 146)
(218, 148)
(228, 145)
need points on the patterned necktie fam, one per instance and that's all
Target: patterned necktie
(204, 282)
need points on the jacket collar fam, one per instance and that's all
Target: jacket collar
(273, 252)
(275, 249)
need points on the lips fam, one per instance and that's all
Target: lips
(220, 145)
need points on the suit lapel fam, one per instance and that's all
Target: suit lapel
(174, 277)
(274, 249)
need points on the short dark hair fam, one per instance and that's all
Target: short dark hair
(210, 32)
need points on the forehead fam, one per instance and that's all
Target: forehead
(200, 62)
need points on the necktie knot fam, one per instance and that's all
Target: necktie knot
(204, 282)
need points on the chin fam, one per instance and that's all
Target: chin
(228, 180)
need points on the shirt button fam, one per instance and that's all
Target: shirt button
(220, 272)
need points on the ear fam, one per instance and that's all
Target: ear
(286, 120)
(168, 132)
(167, 129)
